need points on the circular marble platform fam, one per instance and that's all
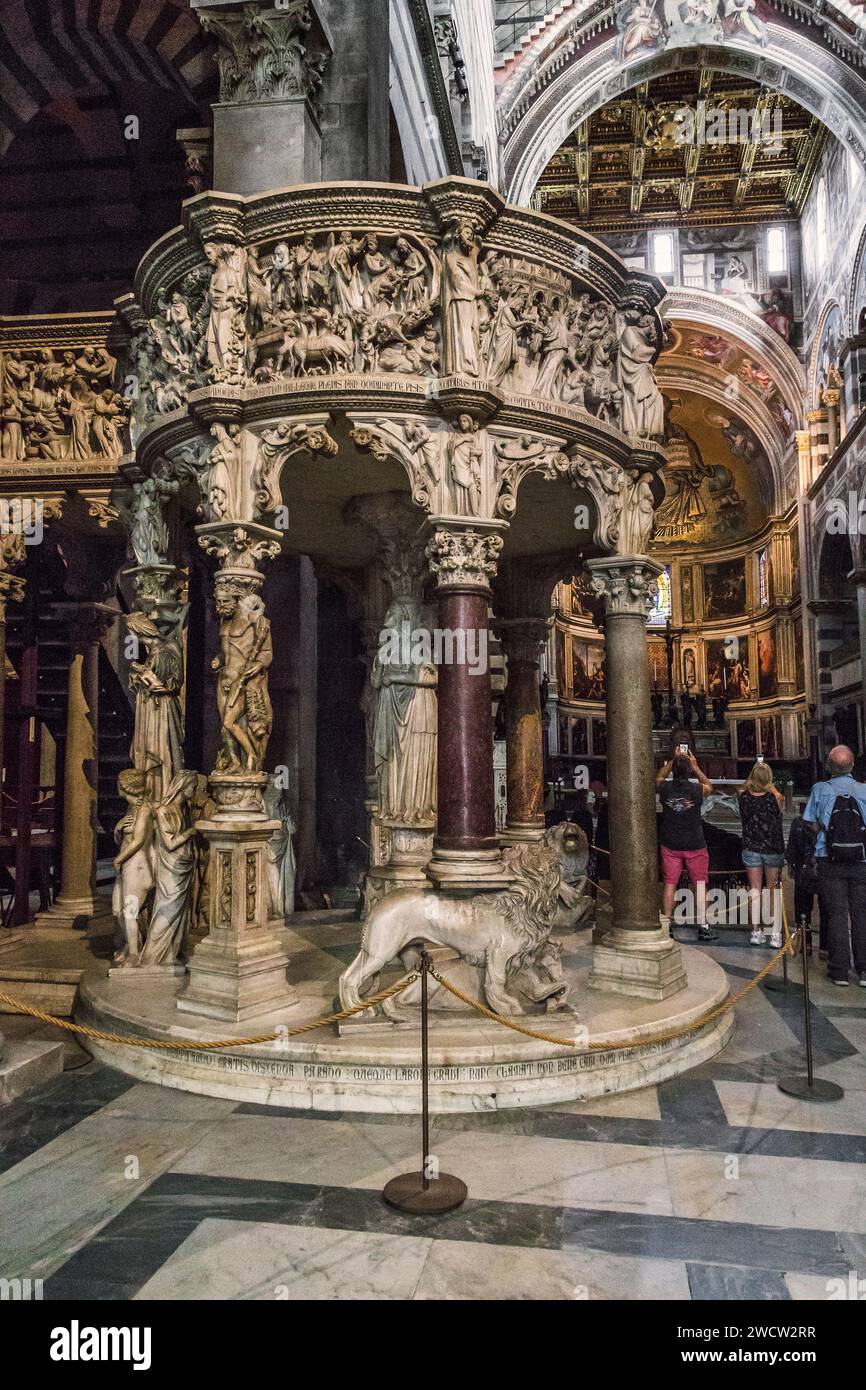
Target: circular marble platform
(475, 1064)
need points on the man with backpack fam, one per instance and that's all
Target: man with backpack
(837, 809)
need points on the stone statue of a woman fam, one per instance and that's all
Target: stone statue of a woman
(404, 730)
(174, 859)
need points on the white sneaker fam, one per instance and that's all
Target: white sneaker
(757, 937)
(776, 940)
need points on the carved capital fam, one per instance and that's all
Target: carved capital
(627, 585)
(393, 520)
(461, 557)
(268, 53)
(240, 549)
(86, 623)
(524, 639)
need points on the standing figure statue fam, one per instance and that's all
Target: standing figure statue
(157, 740)
(174, 860)
(465, 454)
(404, 729)
(280, 853)
(246, 653)
(227, 302)
(134, 864)
(148, 532)
(643, 413)
(460, 293)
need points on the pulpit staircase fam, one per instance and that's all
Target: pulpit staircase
(116, 714)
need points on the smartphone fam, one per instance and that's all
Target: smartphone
(760, 757)
(684, 748)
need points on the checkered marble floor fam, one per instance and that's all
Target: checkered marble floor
(714, 1185)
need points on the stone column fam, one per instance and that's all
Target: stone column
(466, 854)
(401, 843)
(636, 956)
(88, 624)
(271, 57)
(524, 640)
(238, 971)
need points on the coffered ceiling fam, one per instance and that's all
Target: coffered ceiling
(632, 162)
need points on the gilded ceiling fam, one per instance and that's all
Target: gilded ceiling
(691, 147)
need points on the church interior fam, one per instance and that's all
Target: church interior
(418, 419)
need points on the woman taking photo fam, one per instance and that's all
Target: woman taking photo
(763, 848)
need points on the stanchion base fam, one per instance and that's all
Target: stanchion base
(781, 986)
(820, 1089)
(442, 1194)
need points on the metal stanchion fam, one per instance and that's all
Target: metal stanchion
(809, 1087)
(425, 1192)
(786, 985)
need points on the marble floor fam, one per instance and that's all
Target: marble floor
(711, 1186)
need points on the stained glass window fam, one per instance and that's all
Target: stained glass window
(661, 609)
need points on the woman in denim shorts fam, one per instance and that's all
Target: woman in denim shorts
(763, 847)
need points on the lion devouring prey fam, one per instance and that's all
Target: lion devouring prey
(503, 938)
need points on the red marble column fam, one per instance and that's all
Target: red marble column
(466, 817)
(466, 855)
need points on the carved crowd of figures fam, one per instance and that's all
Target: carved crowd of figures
(348, 302)
(60, 405)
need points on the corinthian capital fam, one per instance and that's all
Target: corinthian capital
(463, 557)
(267, 52)
(627, 585)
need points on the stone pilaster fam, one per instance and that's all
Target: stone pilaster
(87, 624)
(466, 854)
(238, 971)
(267, 122)
(635, 957)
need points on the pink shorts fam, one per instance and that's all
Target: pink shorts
(696, 862)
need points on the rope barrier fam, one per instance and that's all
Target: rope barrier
(723, 1008)
(180, 1045)
(789, 947)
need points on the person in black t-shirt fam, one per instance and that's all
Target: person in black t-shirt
(681, 835)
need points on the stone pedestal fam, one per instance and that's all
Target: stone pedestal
(635, 957)
(239, 971)
(410, 850)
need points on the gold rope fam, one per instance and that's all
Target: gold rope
(179, 1045)
(722, 1008)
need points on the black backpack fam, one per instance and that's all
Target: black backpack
(846, 832)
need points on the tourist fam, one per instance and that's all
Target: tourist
(763, 848)
(681, 835)
(837, 810)
(800, 858)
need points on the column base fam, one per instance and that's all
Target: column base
(65, 911)
(647, 965)
(237, 980)
(468, 871)
(410, 850)
(522, 835)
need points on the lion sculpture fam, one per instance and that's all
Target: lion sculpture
(503, 937)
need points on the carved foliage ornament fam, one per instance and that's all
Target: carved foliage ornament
(463, 557)
(626, 588)
(264, 56)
